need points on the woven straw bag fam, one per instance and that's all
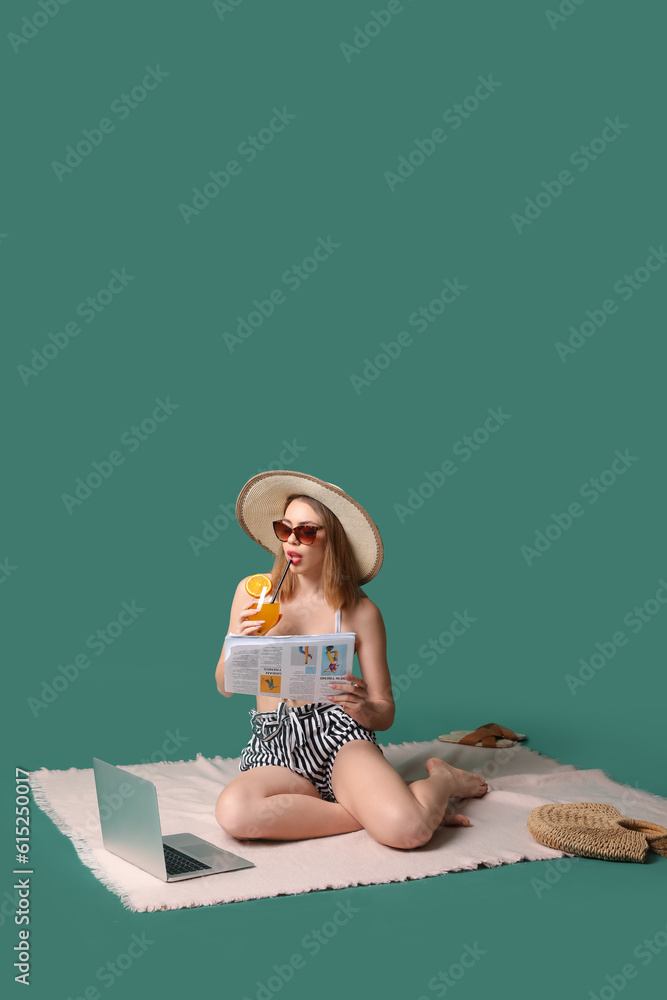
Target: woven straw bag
(596, 830)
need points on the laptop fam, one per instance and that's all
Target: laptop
(131, 829)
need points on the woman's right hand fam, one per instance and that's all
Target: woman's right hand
(251, 628)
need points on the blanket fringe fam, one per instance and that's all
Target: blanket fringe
(81, 847)
(659, 799)
(87, 856)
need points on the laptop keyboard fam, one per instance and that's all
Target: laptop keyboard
(178, 863)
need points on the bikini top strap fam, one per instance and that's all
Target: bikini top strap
(338, 620)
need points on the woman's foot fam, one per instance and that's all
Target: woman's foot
(462, 784)
(455, 819)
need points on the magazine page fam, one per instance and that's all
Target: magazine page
(291, 666)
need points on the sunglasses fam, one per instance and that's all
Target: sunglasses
(305, 533)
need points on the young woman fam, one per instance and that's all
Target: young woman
(312, 769)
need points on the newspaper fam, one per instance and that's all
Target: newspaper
(298, 667)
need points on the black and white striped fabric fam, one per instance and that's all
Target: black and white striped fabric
(304, 738)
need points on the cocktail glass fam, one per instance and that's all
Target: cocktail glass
(268, 613)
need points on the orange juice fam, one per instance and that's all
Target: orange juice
(269, 614)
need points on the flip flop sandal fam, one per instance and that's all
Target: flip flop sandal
(596, 830)
(490, 735)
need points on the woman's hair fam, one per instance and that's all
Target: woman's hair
(340, 575)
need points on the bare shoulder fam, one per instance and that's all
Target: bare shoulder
(366, 622)
(365, 615)
(240, 587)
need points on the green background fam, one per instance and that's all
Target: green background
(494, 347)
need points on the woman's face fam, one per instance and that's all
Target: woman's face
(305, 558)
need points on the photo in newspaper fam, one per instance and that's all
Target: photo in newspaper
(298, 667)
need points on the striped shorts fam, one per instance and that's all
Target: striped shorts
(305, 738)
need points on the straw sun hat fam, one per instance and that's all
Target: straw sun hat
(262, 501)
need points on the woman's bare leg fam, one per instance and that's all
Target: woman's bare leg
(395, 813)
(274, 803)
(429, 791)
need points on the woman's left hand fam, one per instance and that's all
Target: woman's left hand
(354, 695)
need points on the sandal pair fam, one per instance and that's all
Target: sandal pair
(490, 735)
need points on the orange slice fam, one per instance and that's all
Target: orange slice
(255, 584)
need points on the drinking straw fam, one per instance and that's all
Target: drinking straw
(261, 598)
(281, 583)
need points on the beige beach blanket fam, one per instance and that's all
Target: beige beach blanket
(519, 779)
